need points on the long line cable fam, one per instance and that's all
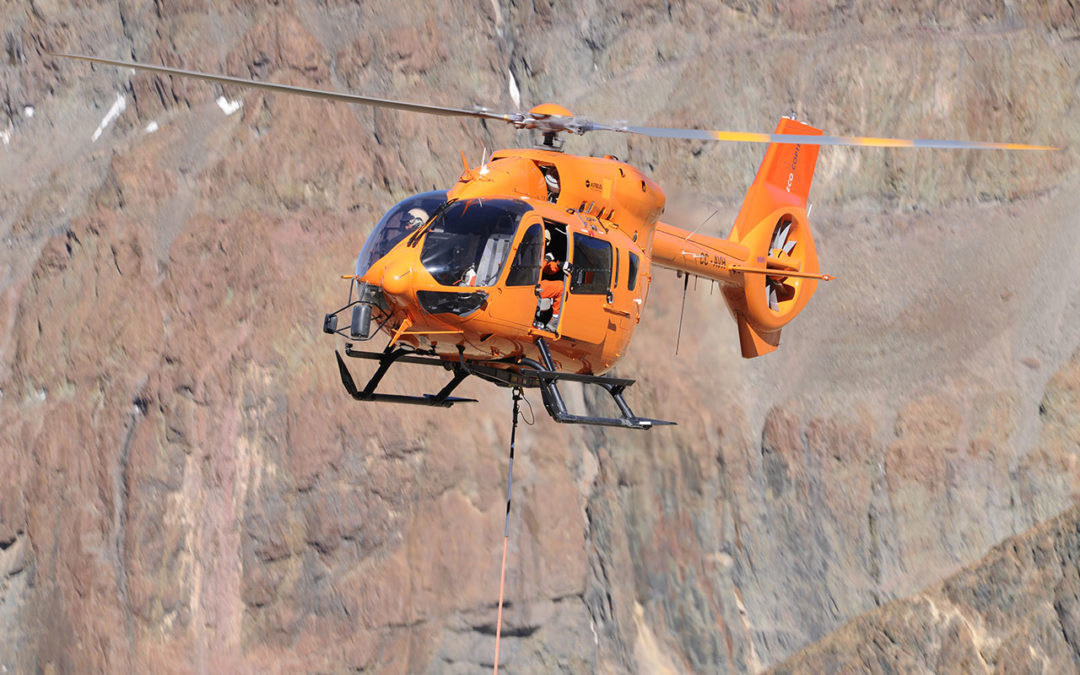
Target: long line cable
(506, 528)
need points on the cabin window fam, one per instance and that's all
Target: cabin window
(616, 282)
(525, 269)
(591, 271)
(631, 272)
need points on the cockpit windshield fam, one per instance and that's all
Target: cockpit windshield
(405, 218)
(469, 242)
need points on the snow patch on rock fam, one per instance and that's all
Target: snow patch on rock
(114, 112)
(228, 107)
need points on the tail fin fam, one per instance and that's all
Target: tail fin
(772, 224)
(782, 180)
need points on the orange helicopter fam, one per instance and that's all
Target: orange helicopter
(534, 268)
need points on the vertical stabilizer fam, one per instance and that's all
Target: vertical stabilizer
(772, 225)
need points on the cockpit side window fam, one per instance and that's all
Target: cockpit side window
(525, 269)
(399, 222)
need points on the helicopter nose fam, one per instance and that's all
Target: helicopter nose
(397, 278)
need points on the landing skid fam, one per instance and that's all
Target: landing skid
(521, 372)
(386, 359)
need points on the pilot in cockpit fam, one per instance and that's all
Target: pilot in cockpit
(413, 218)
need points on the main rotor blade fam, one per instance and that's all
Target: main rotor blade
(569, 124)
(303, 91)
(749, 137)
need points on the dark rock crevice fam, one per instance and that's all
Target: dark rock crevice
(121, 487)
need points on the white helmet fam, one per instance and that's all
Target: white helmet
(417, 217)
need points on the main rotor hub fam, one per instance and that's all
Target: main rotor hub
(545, 110)
(550, 119)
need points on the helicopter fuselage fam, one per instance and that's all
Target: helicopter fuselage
(594, 217)
(535, 267)
(464, 274)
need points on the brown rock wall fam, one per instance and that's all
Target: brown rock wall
(1013, 611)
(188, 489)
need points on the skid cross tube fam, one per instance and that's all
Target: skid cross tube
(553, 401)
(384, 366)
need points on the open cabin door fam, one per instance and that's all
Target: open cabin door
(516, 297)
(584, 317)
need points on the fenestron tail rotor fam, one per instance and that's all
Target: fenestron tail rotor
(550, 119)
(780, 250)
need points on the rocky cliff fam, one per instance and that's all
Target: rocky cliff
(1016, 611)
(187, 488)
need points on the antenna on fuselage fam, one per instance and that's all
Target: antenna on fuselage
(682, 310)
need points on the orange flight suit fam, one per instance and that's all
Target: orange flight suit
(552, 287)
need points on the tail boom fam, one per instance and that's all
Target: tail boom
(698, 254)
(768, 267)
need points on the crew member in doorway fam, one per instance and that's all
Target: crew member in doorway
(551, 180)
(551, 286)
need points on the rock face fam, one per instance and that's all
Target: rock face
(187, 488)
(1016, 611)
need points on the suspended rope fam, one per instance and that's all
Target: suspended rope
(518, 395)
